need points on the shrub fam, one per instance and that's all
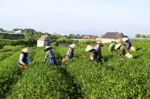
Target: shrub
(54, 44)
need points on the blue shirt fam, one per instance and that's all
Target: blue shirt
(70, 53)
(50, 54)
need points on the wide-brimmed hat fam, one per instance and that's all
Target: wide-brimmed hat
(89, 48)
(133, 49)
(72, 46)
(125, 39)
(117, 46)
(47, 47)
(25, 50)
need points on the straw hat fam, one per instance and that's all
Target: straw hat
(47, 47)
(133, 49)
(72, 46)
(25, 50)
(125, 39)
(117, 46)
(128, 55)
(88, 48)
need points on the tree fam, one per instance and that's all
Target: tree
(2, 30)
(63, 39)
(143, 36)
(137, 36)
(72, 35)
(29, 34)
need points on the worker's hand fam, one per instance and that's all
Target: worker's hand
(102, 60)
(25, 66)
(88, 58)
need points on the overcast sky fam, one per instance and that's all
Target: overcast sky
(77, 16)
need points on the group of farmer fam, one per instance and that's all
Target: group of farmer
(123, 46)
(24, 60)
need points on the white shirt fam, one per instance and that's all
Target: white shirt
(21, 58)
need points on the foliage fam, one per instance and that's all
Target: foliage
(11, 36)
(31, 34)
(116, 78)
(142, 36)
(4, 42)
(63, 40)
(54, 44)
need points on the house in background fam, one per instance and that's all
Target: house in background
(88, 36)
(17, 32)
(111, 36)
(43, 41)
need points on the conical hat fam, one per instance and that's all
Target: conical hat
(133, 49)
(47, 47)
(25, 50)
(73, 46)
(117, 46)
(89, 47)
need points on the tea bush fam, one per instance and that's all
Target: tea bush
(117, 77)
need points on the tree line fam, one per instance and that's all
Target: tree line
(142, 36)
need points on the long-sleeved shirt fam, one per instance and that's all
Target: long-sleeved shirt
(49, 54)
(128, 44)
(98, 53)
(97, 48)
(23, 59)
(70, 53)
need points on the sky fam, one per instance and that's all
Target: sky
(77, 16)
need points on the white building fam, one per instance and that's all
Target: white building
(43, 41)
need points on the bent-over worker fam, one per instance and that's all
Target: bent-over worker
(24, 60)
(49, 53)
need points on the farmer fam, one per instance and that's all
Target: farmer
(127, 42)
(24, 60)
(98, 49)
(70, 53)
(112, 46)
(49, 53)
(123, 50)
(94, 55)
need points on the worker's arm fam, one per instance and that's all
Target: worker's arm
(69, 52)
(20, 59)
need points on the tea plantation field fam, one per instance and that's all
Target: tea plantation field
(116, 78)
